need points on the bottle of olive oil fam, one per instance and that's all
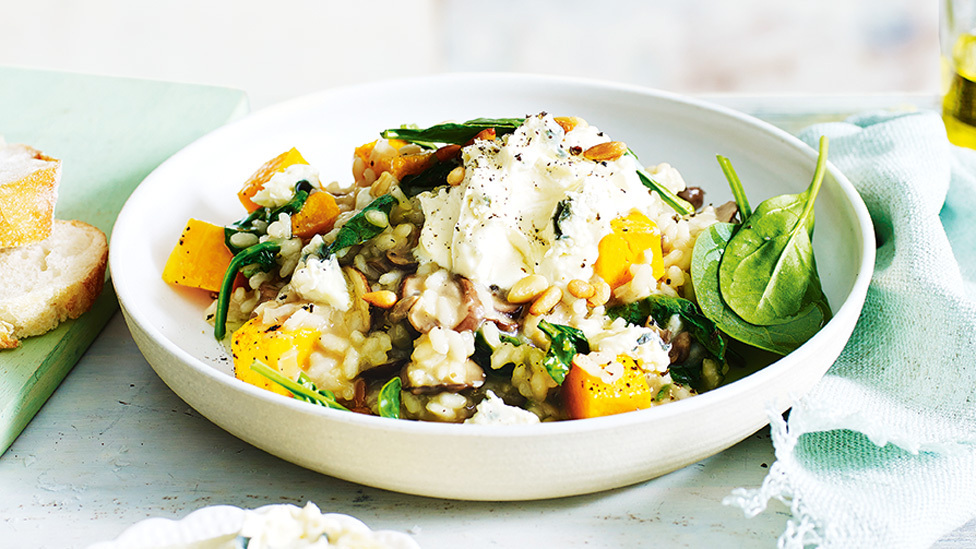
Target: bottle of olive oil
(959, 102)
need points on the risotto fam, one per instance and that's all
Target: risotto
(494, 271)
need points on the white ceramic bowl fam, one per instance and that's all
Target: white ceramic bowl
(466, 461)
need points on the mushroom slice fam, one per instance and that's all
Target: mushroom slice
(472, 304)
(439, 303)
(399, 311)
(485, 305)
(402, 258)
(694, 195)
(680, 348)
(726, 212)
(448, 301)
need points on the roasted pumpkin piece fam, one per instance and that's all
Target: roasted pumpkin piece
(410, 164)
(632, 237)
(594, 390)
(286, 352)
(317, 216)
(200, 257)
(266, 172)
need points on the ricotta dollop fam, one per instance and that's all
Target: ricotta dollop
(531, 204)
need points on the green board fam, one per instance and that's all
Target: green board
(109, 134)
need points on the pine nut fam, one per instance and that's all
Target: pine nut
(377, 218)
(527, 289)
(580, 288)
(383, 299)
(567, 123)
(606, 151)
(546, 301)
(456, 176)
(601, 294)
(243, 240)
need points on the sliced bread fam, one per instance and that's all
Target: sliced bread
(28, 192)
(47, 282)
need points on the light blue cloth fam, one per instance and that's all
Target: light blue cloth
(882, 452)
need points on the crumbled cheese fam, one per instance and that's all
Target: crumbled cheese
(621, 338)
(493, 411)
(278, 190)
(322, 281)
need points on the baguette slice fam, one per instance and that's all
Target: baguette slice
(28, 192)
(45, 283)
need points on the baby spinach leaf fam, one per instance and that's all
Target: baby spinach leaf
(686, 375)
(389, 400)
(266, 216)
(303, 389)
(483, 351)
(431, 178)
(678, 204)
(262, 255)
(359, 229)
(738, 192)
(564, 343)
(779, 338)
(767, 273)
(661, 308)
(453, 133)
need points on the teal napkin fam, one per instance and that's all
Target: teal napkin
(882, 452)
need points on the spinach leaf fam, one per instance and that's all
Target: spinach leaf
(688, 373)
(738, 192)
(661, 308)
(304, 389)
(779, 338)
(262, 255)
(359, 229)
(431, 178)
(453, 133)
(768, 274)
(677, 203)
(564, 343)
(483, 351)
(389, 401)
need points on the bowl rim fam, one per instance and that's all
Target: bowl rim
(851, 305)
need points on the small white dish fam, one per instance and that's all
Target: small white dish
(468, 461)
(272, 526)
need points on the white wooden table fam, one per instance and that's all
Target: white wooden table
(114, 446)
